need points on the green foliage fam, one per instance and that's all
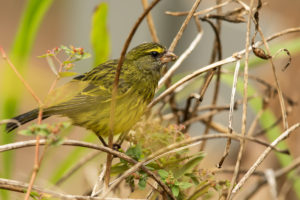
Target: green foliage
(135, 152)
(189, 166)
(50, 132)
(29, 24)
(99, 34)
(101, 47)
(177, 169)
(73, 55)
(175, 184)
(142, 180)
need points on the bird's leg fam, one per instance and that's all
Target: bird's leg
(116, 146)
(102, 140)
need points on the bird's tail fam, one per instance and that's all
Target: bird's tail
(23, 119)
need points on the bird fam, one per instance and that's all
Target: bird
(86, 99)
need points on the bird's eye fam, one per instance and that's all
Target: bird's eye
(154, 54)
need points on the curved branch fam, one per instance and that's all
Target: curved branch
(231, 59)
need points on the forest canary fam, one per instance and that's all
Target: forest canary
(86, 99)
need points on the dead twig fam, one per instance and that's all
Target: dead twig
(231, 59)
(261, 158)
(245, 103)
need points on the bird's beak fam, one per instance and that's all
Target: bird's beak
(168, 57)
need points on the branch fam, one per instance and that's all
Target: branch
(19, 186)
(283, 136)
(231, 59)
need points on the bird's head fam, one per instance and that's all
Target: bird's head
(150, 56)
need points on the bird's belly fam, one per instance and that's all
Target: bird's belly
(127, 112)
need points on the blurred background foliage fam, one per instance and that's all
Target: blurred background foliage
(29, 28)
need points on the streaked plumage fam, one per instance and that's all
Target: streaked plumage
(86, 99)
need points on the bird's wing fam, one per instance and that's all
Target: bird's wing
(86, 90)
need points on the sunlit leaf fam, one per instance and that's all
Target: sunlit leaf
(99, 34)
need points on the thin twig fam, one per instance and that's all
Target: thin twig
(271, 179)
(99, 182)
(12, 66)
(280, 95)
(261, 158)
(230, 116)
(116, 83)
(150, 23)
(40, 103)
(278, 174)
(76, 167)
(184, 25)
(21, 187)
(269, 57)
(245, 105)
(234, 136)
(217, 50)
(181, 58)
(176, 145)
(232, 97)
(108, 150)
(200, 117)
(39, 158)
(205, 11)
(231, 59)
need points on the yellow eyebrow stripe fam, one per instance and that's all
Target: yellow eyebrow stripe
(159, 50)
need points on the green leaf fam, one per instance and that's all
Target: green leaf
(185, 185)
(26, 132)
(135, 152)
(99, 34)
(175, 190)
(85, 55)
(200, 190)
(188, 167)
(193, 177)
(119, 168)
(143, 182)
(67, 74)
(29, 24)
(32, 17)
(37, 129)
(163, 173)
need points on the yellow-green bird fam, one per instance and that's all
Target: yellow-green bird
(86, 99)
